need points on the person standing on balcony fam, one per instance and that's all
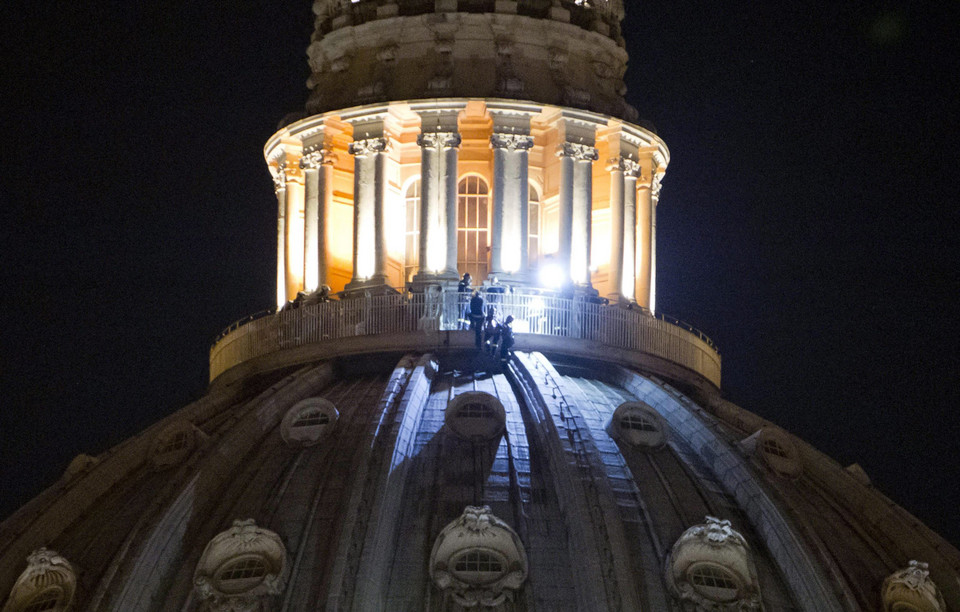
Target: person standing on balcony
(506, 338)
(476, 316)
(462, 289)
(491, 331)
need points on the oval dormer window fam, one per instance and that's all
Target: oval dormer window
(45, 601)
(713, 582)
(172, 445)
(475, 415)
(779, 452)
(639, 425)
(241, 575)
(478, 566)
(241, 568)
(308, 422)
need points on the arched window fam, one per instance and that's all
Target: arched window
(639, 426)
(173, 444)
(472, 222)
(411, 257)
(308, 421)
(533, 226)
(475, 415)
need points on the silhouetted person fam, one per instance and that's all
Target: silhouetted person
(476, 315)
(462, 288)
(506, 338)
(491, 331)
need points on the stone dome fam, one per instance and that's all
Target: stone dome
(568, 52)
(556, 512)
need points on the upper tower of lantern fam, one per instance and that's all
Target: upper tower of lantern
(564, 52)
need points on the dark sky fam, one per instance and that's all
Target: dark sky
(808, 221)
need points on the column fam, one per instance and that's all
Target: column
(654, 200)
(566, 152)
(438, 204)
(450, 150)
(643, 226)
(317, 166)
(369, 191)
(293, 231)
(576, 209)
(628, 282)
(508, 243)
(280, 188)
(616, 167)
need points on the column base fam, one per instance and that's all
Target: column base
(422, 280)
(376, 285)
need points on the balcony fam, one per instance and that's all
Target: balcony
(432, 322)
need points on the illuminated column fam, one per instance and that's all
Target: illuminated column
(317, 167)
(582, 214)
(369, 193)
(438, 204)
(654, 200)
(450, 150)
(616, 167)
(293, 230)
(508, 245)
(280, 187)
(566, 152)
(629, 266)
(644, 243)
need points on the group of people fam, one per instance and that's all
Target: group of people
(491, 335)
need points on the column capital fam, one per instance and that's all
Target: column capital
(511, 142)
(445, 140)
(655, 185)
(579, 152)
(316, 157)
(368, 146)
(626, 165)
(279, 180)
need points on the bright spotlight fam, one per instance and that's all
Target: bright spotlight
(551, 275)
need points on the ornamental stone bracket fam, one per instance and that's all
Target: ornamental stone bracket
(48, 583)
(240, 568)
(709, 567)
(479, 560)
(912, 589)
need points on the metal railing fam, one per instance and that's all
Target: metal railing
(578, 318)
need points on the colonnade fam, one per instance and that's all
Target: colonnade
(304, 167)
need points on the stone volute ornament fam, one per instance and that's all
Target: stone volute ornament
(240, 568)
(709, 568)
(48, 584)
(912, 589)
(478, 559)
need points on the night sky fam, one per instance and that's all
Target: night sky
(808, 221)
